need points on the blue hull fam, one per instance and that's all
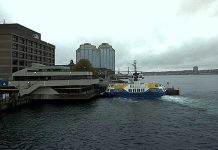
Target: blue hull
(144, 95)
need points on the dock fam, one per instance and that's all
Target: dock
(9, 98)
(172, 91)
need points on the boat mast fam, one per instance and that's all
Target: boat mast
(135, 74)
(134, 65)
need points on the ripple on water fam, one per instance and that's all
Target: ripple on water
(208, 105)
(111, 124)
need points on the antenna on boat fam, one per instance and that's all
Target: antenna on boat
(135, 74)
(134, 65)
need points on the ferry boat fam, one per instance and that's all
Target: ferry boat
(135, 88)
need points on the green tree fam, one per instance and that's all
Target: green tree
(85, 65)
(71, 64)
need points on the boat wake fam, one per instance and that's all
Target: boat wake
(128, 100)
(193, 103)
(178, 99)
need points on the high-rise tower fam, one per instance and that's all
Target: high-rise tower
(89, 52)
(101, 58)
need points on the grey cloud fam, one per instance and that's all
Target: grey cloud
(215, 14)
(197, 52)
(4, 16)
(1, 15)
(63, 54)
(194, 7)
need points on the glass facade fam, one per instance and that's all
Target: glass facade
(103, 57)
(89, 52)
(107, 58)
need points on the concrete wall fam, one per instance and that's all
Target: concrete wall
(21, 84)
(5, 56)
(27, 87)
(25, 73)
(45, 90)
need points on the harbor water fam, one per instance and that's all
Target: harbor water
(188, 121)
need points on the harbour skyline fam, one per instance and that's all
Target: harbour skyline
(169, 35)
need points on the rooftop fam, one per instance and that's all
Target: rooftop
(16, 26)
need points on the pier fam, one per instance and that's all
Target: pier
(9, 98)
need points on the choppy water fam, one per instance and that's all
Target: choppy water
(189, 121)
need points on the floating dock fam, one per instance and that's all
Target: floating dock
(172, 91)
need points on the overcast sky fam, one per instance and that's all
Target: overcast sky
(159, 34)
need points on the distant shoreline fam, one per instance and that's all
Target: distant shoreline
(184, 72)
(175, 74)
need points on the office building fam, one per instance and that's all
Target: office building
(89, 52)
(101, 58)
(195, 68)
(107, 57)
(20, 47)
